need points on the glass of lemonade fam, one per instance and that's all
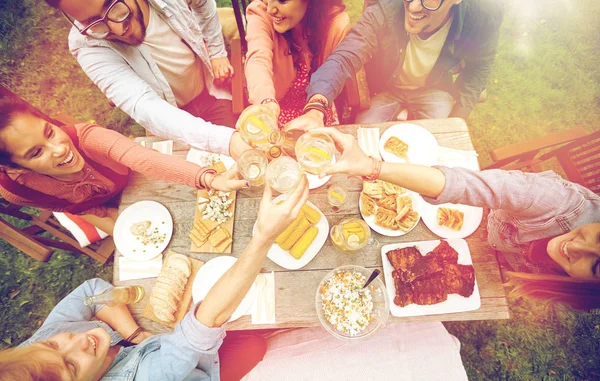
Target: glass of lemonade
(283, 174)
(337, 195)
(315, 152)
(253, 166)
(350, 234)
(258, 126)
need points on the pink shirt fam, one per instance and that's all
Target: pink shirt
(268, 56)
(112, 150)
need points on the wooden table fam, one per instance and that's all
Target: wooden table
(295, 290)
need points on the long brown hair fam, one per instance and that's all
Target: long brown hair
(317, 20)
(24, 364)
(581, 294)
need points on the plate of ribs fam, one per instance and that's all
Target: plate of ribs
(430, 277)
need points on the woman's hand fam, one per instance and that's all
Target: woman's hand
(227, 181)
(237, 145)
(273, 219)
(273, 109)
(354, 161)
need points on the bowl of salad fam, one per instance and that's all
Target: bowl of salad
(346, 309)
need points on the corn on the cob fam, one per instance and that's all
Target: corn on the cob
(311, 215)
(304, 242)
(288, 231)
(296, 234)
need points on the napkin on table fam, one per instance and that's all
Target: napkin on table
(263, 309)
(165, 147)
(368, 140)
(129, 269)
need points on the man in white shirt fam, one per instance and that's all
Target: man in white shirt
(163, 63)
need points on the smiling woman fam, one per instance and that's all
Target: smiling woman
(82, 169)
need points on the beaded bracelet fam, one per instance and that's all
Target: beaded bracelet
(376, 171)
(203, 178)
(134, 334)
(268, 100)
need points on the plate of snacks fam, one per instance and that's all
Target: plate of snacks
(207, 277)
(408, 143)
(301, 240)
(143, 230)
(388, 209)
(451, 220)
(346, 309)
(430, 277)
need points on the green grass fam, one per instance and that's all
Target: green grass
(546, 78)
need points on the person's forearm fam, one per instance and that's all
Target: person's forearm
(225, 296)
(427, 181)
(119, 318)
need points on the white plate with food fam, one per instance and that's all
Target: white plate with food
(430, 283)
(451, 220)
(207, 159)
(209, 274)
(320, 232)
(389, 209)
(143, 230)
(408, 143)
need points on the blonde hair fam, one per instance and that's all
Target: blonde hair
(581, 294)
(25, 364)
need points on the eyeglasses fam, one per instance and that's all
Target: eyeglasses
(430, 5)
(117, 12)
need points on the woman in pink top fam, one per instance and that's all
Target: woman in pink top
(287, 41)
(82, 169)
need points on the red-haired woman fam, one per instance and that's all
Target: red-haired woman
(287, 41)
(546, 227)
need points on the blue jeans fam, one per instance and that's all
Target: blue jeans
(421, 104)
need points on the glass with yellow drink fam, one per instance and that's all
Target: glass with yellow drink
(350, 234)
(258, 126)
(315, 152)
(336, 195)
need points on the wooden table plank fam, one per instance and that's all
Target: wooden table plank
(295, 290)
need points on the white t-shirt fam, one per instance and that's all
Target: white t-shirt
(421, 56)
(177, 62)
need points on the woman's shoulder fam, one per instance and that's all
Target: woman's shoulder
(258, 7)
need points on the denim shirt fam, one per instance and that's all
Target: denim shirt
(525, 207)
(379, 42)
(131, 79)
(189, 352)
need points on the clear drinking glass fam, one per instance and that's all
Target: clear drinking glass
(253, 166)
(337, 195)
(315, 152)
(283, 174)
(258, 126)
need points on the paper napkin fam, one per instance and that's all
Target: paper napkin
(165, 147)
(368, 140)
(129, 269)
(263, 309)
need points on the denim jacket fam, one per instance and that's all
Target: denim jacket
(379, 42)
(525, 207)
(131, 79)
(189, 352)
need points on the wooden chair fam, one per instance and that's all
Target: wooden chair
(355, 94)
(28, 240)
(577, 152)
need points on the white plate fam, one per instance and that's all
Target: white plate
(287, 260)
(128, 244)
(473, 217)
(201, 158)
(422, 146)
(370, 220)
(209, 274)
(454, 303)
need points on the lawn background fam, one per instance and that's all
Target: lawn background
(546, 78)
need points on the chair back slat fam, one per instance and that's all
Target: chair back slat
(239, 10)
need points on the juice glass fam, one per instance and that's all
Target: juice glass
(258, 126)
(283, 174)
(315, 152)
(253, 166)
(350, 234)
(336, 195)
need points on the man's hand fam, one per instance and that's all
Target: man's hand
(228, 181)
(309, 121)
(273, 219)
(237, 145)
(222, 69)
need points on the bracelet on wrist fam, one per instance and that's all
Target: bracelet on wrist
(134, 334)
(376, 171)
(269, 100)
(203, 181)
